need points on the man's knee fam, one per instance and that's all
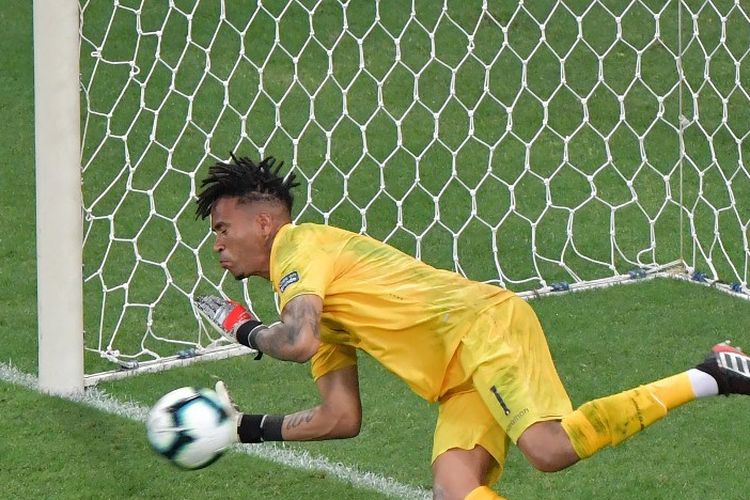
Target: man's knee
(451, 487)
(544, 461)
(547, 447)
(457, 472)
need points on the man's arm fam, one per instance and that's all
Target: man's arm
(338, 416)
(297, 336)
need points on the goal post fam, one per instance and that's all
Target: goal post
(58, 196)
(539, 146)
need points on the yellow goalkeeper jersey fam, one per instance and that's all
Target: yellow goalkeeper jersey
(404, 313)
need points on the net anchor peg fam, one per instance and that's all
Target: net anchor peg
(190, 352)
(699, 277)
(637, 274)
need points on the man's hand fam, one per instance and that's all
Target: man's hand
(229, 406)
(230, 319)
(226, 316)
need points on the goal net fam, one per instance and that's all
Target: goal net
(534, 145)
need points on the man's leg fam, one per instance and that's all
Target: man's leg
(469, 448)
(513, 371)
(547, 446)
(459, 473)
(514, 374)
(610, 420)
(554, 445)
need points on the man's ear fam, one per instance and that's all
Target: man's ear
(265, 221)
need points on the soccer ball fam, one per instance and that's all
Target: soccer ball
(190, 427)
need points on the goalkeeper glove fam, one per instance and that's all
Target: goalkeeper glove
(230, 319)
(250, 428)
(233, 413)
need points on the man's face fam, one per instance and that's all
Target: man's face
(242, 237)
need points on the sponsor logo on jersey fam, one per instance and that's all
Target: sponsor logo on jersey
(516, 419)
(287, 280)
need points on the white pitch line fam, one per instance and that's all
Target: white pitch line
(298, 459)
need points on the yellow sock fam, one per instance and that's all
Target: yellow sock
(483, 493)
(612, 419)
(673, 391)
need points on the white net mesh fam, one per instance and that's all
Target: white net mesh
(521, 144)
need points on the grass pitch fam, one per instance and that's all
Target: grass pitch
(603, 341)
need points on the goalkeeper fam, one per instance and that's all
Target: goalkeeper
(475, 349)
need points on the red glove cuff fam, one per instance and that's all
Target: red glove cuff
(236, 316)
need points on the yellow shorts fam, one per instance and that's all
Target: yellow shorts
(501, 381)
(465, 422)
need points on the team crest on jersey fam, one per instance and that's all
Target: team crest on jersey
(287, 280)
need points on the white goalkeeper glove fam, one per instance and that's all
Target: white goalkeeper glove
(250, 428)
(230, 319)
(231, 409)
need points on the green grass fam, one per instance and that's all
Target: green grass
(628, 340)
(603, 341)
(72, 451)
(18, 278)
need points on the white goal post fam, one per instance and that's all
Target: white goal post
(59, 228)
(542, 146)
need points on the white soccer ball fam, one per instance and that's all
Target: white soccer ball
(190, 427)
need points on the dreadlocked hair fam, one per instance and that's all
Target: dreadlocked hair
(244, 179)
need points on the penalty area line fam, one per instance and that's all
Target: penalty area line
(279, 454)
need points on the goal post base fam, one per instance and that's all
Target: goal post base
(166, 363)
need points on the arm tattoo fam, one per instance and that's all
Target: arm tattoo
(297, 419)
(281, 337)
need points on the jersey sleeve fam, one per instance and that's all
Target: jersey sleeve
(302, 266)
(331, 357)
